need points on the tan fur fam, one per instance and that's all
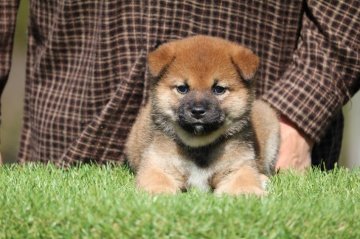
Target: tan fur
(246, 180)
(267, 131)
(139, 137)
(156, 181)
(162, 164)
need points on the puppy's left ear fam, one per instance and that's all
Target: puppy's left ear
(160, 59)
(246, 62)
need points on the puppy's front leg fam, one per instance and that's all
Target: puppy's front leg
(245, 180)
(154, 180)
(158, 172)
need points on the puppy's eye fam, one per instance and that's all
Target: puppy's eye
(218, 90)
(182, 89)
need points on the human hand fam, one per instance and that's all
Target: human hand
(295, 148)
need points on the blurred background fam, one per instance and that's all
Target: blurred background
(13, 96)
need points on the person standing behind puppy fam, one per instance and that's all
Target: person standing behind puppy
(86, 69)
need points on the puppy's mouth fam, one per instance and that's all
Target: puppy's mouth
(200, 128)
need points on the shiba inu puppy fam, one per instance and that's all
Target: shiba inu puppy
(202, 126)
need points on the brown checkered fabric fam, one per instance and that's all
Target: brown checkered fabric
(86, 68)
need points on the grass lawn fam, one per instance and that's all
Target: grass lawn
(39, 201)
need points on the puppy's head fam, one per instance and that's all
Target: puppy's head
(202, 88)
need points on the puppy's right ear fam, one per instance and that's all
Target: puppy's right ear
(160, 59)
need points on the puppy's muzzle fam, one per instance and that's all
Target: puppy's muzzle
(198, 112)
(200, 117)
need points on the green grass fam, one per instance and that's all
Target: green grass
(39, 201)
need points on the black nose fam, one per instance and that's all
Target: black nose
(198, 112)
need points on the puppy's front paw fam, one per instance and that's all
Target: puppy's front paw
(155, 181)
(246, 180)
